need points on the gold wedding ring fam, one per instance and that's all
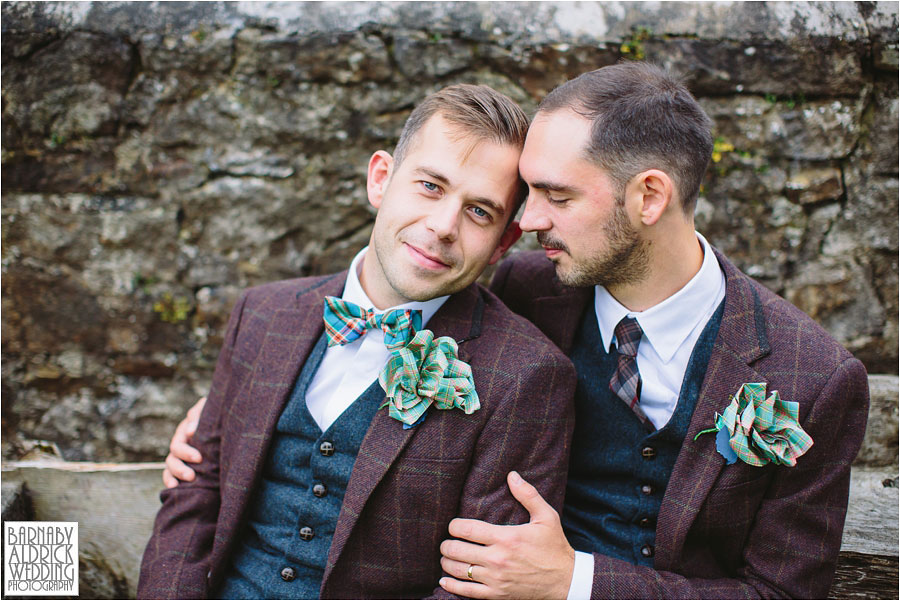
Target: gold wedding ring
(469, 572)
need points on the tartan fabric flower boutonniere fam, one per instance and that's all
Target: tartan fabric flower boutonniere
(760, 429)
(424, 372)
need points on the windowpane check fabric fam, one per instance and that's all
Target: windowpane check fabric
(458, 462)
(732, 531)
(626, 380)
(346, 321)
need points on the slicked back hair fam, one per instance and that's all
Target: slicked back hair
(479, 112)
(642, 118)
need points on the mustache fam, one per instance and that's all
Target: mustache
(548, 241)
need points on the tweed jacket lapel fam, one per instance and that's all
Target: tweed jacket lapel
(741, 340)
(559, 316)
(460, 319)
(287, 340)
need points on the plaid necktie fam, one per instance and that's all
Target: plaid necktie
(626, 381)
(345, 322)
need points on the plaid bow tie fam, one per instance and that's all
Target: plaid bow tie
(626, 381)
(345, 322)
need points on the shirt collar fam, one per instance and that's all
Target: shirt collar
(354, 293)
(668, 324)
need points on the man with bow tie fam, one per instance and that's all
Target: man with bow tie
(352, 416)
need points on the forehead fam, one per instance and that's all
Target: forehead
(555, 150)
(476, 166)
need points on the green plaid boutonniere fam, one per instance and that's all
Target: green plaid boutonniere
(424, 372)
(760, 429)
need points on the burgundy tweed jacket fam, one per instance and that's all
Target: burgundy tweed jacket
(406, 485)
(733, 531)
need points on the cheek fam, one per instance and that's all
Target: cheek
(479, 246)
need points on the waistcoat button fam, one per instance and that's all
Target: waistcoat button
(306, 533)
(647, 551)
(288, 574)
(319, 490)
(647, 489)
(644, 523)
(648, 452)
(326, 448)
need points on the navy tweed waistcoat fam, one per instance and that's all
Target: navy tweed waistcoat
(292, 517)
(618, 472)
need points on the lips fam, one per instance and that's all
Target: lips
(424, 258)
(552, 246)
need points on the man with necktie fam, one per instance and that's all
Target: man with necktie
(352, 416)
(715, 422)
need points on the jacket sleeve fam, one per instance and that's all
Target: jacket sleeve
(176, 561)
(792, 547)
(530, 432)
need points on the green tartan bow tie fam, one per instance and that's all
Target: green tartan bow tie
(346, 321)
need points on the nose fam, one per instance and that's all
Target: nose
(534, 218)
(443, 220)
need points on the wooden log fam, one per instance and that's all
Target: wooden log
(867, 567)
(114, 505)
(861, 576)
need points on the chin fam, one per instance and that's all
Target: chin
(416, 291)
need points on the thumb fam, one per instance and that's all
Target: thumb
(530, 498)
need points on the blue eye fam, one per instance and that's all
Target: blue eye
(480, 212)
(431, 187)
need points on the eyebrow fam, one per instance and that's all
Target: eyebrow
(555, 187)
(482, 200)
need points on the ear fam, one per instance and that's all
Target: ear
(509, 237)
(652, 191)
(381, 166)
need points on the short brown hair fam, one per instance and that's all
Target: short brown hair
(479, 111)
(642, 118)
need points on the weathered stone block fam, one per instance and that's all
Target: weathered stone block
(158, 158)
(880, 445)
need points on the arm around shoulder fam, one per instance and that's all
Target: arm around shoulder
(176, 561)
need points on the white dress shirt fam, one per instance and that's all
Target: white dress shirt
(671, 330)
(348, 370)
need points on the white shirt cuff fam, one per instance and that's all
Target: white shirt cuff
(582, 576)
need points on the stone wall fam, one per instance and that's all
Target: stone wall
(159, 157)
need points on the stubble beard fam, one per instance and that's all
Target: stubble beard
(626, 259)
(400, 278)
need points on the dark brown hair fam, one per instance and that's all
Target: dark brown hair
(642, 118)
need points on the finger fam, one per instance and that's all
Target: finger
(464, 552)
(177, 469)
(530, 498)
(460, 570)
(168, 479)
(473, 590)
(195, 411)
(184, 452)
(457, 569)
(475, 531)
